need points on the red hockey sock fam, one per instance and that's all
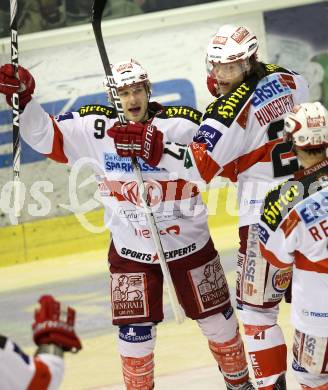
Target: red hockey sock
(268, 353)
(231, 359)
(138, 373)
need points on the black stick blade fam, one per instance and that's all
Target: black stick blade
(97, 10)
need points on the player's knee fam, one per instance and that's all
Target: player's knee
(258, 316)
(136, 340)
(219, 327)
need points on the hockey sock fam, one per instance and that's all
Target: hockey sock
(231, 360)
(138, 373)
(268, 353)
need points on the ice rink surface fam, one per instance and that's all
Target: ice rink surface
(182, 358)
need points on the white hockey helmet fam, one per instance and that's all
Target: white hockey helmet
(307, 126)
(231, 43)
(128, 73)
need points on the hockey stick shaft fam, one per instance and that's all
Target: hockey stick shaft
(97, 10)
(15, 102)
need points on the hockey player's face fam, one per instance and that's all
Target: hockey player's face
(228, 76)
(134, 100)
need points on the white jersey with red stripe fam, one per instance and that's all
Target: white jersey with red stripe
(240, 137)
(81, 138)
(19, 371)
(293, 230)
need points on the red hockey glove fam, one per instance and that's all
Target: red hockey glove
(212, 85)
(9, 84)
(138, 140)
(55, 325)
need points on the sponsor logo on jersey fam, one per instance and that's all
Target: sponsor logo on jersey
(63, 117)
(314, 209)
(319, 314)
(97, 110)
(113, 162)
(184, 112)
(268, 90)
(228, 107)
(180, 252)
(126, 252)
(135, 334)
(281, 279)
(274, 109)
(153, 191)
(173, 230)
(210, 286)
(140, 216)
(129, 298)
(169, 255)
(263, 234)
(276, 207)
(252, 201)
(208, 135)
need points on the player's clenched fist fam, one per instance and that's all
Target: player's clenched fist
(54, 324)
(138, 140)
(9, 84)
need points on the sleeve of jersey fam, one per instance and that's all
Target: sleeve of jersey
(275, 247)
(302, 92)
(60, 139)
(20, 371)
(52, 364)
(213, 151)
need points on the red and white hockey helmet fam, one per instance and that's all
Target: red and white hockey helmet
(231, 43)
(129, 73)
(307, 126)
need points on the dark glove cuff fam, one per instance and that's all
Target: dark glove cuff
(53, 349)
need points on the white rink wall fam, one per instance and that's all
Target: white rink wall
(68, 72)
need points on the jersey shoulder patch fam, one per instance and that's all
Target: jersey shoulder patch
(97, 109)
(185, 112)
(273, 68)
(280, 201)
(226, 109)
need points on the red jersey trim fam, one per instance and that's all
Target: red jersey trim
(271, 258)
(41, 378)
(57, 153)
(206, 166)
(290, 223)
(261, 154)
(302, 262)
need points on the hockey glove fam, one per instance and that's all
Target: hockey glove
(9, 84)
(212, 85)
(54, 324)
(138, 140)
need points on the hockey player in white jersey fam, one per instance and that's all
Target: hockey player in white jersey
(54, 334)
(293, 233)
(181, 218)
(240, 138)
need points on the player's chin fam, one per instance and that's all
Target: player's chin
(225, 88)
(134, 114)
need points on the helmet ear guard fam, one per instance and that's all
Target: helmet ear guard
(307, 126)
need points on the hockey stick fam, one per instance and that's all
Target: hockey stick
(97, 11)
(15, 102)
